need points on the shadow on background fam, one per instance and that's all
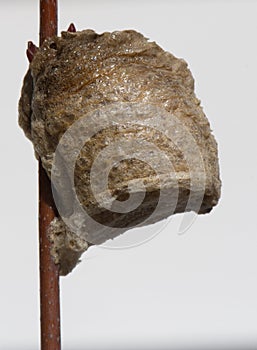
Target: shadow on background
(195, 347)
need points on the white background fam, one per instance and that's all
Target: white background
(196, 290)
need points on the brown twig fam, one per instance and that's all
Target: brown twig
(49, 272)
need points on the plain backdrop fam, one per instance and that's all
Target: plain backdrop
(196, 290)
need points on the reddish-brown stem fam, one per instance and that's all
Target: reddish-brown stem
(48, 19)
(49, 271)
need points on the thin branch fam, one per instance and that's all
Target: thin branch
(49, 272)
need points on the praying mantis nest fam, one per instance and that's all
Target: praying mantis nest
(136, 104)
